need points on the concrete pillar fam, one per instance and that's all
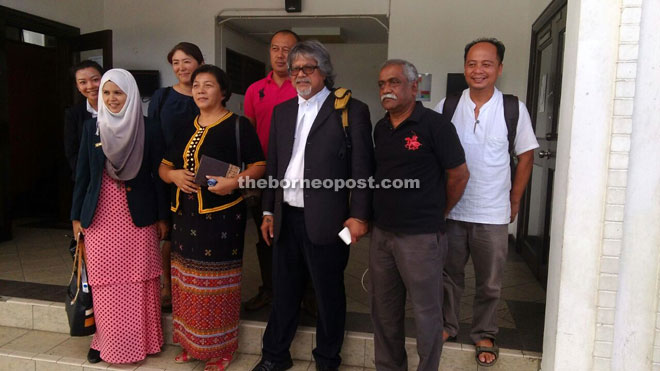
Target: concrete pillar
(636, 304)
(580, 184)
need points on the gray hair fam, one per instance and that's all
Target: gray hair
(408, 68)
(314, 49)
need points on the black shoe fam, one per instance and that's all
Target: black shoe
(262, 299)
(326, 368)
(266, 365)
(94, 356)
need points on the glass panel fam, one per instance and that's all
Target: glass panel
(34, 38)
(544, 109)
(536, 221)
(95, 55)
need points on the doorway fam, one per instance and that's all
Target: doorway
(36, 55)
(543, 98)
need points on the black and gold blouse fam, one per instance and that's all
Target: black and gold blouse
(217, 140)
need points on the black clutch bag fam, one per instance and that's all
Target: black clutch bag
(211, 166)
(78, 303)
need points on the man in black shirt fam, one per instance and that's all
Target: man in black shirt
(408, 241)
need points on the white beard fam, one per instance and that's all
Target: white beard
(304, 92)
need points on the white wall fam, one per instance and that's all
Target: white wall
(432, 35)
(84, 14)
(144, 31)
(357, 67)
(581, 180)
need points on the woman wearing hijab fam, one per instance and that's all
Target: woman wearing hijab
(121, 206)
(209, 223)
(173, 107)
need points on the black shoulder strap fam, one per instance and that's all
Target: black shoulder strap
(238, 143)
(342, 98)
(166, 92)
(511, 117)
(449, 107)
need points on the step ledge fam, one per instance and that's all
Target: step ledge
(358, 347)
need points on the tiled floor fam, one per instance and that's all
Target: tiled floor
(38, 253)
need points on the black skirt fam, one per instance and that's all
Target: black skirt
(212, 237)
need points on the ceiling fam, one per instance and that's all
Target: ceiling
(363, 29)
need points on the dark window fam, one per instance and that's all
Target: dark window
(147, 81)
(243, 71)
(456, 83)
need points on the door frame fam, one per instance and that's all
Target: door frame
(538, 26)
(63, 32)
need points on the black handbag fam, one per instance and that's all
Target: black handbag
(78, 303)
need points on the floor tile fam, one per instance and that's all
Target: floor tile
(243, 362)
(8, 334)
(165, 359)
(36, 341)
(73, 347)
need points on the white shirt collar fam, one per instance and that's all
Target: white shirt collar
(91, 109)
(492, 99)
(317, 98)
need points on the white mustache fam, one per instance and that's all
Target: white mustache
(304, 80)
(388, 96)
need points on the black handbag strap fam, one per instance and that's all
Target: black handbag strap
(238, 144)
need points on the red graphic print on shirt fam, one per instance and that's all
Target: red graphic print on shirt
(412, 144)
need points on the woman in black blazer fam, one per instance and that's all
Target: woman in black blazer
(120, 204)
(87, 75)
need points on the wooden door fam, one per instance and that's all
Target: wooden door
(36, 55)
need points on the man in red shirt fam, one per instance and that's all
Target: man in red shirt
(260, 99)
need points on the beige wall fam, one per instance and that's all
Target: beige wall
(357, 67)
(86, 15)
(432, 35)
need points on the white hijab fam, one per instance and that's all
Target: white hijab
(122, 134)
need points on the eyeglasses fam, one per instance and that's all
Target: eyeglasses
(308, 70)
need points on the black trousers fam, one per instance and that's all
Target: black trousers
(264, 252)
(294, 256)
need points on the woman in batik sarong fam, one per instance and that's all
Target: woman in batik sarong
(209, 223)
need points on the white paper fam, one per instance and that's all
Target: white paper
(345, 235)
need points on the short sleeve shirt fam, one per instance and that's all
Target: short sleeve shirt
(260, 99)
(421, 148)
(486, 197)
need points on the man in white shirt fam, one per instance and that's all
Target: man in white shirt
(309, 143)
(478, 225)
